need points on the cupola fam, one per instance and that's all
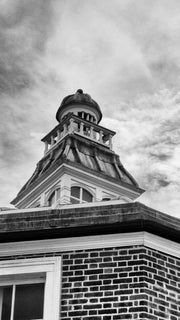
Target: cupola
(81, 104)
(79, 164)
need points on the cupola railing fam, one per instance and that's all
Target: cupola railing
(73, 124)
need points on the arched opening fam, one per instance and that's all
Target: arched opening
(106, 199)
(80, 195)
(53, 198)
(87, 116)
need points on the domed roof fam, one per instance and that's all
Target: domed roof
(79, 98)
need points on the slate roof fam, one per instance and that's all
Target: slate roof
(84, 154)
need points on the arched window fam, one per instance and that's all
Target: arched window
(53, 198)
(106, 199)
(80, 195)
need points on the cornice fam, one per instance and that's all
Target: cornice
(89, 243)
(75, 170)
(83, 220)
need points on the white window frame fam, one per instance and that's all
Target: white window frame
(55, 191)
(81, 193)
(51, 267)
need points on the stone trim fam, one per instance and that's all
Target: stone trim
(91, 242)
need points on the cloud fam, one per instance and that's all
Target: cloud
(23, 34)
(148, 141)
(125, 54)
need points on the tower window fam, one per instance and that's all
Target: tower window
(80, 114)
(106, 199)
(54, 197)
(80, 195)
(86, 116)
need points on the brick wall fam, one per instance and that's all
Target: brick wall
(120, 283)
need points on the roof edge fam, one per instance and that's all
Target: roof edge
(79, 221)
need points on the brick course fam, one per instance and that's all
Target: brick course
(120, 283)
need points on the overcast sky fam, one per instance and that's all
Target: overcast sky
(124, 53)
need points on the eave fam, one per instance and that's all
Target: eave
(61, 166)
(79, 221)
(47, 166)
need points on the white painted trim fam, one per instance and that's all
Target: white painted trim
(161, 244)
(79, 183)
(104, 183)
(51, 267)
(91, 242)
(66, 206)
(78, 173)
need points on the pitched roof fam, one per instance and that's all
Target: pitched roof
(86, 155)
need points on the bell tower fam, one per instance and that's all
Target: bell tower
(79, 164)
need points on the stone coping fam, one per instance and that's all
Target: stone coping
(75, 221)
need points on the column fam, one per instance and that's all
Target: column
(110, 142)
(58, 135)
(81, 127)
(71, 126)
(100, 136)
(64, 129)
(91, 132)
(46, 147)
(52, 141)
(65, 189)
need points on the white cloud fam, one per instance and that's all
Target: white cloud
(147, 140)
(124, 53)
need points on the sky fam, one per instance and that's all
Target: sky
(124, 53)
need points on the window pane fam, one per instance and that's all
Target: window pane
(58, 193)
(106, 199)
(74, 201)
(6, 298)
(75, 192)
(86, 196)
(29, 301)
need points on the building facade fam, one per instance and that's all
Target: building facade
(78, 246)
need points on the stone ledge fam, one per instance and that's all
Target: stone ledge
(59, 223)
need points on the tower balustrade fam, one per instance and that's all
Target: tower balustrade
(73, 124)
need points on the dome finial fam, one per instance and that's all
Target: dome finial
(80, 91)
(79, 103)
